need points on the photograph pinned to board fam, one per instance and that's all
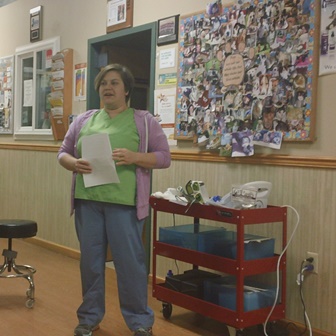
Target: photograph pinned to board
(242, 144)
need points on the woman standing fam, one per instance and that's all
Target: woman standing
(114, 214)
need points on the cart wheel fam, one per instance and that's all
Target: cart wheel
(30, 303)
(167, 310)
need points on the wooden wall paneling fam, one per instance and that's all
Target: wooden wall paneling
(34, 186)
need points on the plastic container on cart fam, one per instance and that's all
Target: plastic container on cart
(223, 292)
(187, 237)
(255, 247)
(190, 282)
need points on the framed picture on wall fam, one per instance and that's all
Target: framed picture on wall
(168, 30)
(36, 24)
(250, 66)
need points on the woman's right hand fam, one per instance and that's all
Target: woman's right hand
(82, 166)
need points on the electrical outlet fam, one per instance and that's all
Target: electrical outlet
(315, 261)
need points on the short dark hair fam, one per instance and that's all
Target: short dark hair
(125, 74)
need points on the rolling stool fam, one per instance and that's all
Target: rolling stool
(18, 228)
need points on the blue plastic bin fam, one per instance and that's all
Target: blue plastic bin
(186, 237)
(216, 240)
(255, 247)
(223, 292)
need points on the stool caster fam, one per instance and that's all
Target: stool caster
(30, 303)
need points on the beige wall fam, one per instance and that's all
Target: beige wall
(34, 186)
(76, 21)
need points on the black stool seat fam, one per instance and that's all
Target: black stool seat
(18, 228)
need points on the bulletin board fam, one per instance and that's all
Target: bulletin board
(6, 94)
(248, 66)
(119, 15)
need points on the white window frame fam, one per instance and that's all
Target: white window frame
(21, 53)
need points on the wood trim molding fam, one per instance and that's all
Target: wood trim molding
(31, 147)
(259, 159)
(69, 252)
(328, 162)
(296, 328)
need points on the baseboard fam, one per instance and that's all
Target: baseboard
(69, 252)
(72, 253)
(295, 328)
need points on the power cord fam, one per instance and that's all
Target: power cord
(278, 266)
(304, 268)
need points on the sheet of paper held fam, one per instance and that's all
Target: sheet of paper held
(97, 150)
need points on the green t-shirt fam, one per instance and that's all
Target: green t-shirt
(123, 133)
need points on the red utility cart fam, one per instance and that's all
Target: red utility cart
(239, 267)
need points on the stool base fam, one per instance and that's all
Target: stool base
(20, 271)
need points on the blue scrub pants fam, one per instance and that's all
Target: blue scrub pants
(99, 224)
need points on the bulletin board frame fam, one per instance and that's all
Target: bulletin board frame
(6, 94)
(225, 60)
(119, 15)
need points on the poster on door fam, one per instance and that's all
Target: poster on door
(328, 37)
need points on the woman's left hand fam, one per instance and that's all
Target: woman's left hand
(123, 156)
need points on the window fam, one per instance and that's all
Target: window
(32, 86)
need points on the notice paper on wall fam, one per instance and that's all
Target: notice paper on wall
(97, 150)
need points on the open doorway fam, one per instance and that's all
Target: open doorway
(135, 48)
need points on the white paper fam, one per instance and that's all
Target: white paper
(167, 58)
(28, 93)
(116, 12)
(165, 103)
(97, 150)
